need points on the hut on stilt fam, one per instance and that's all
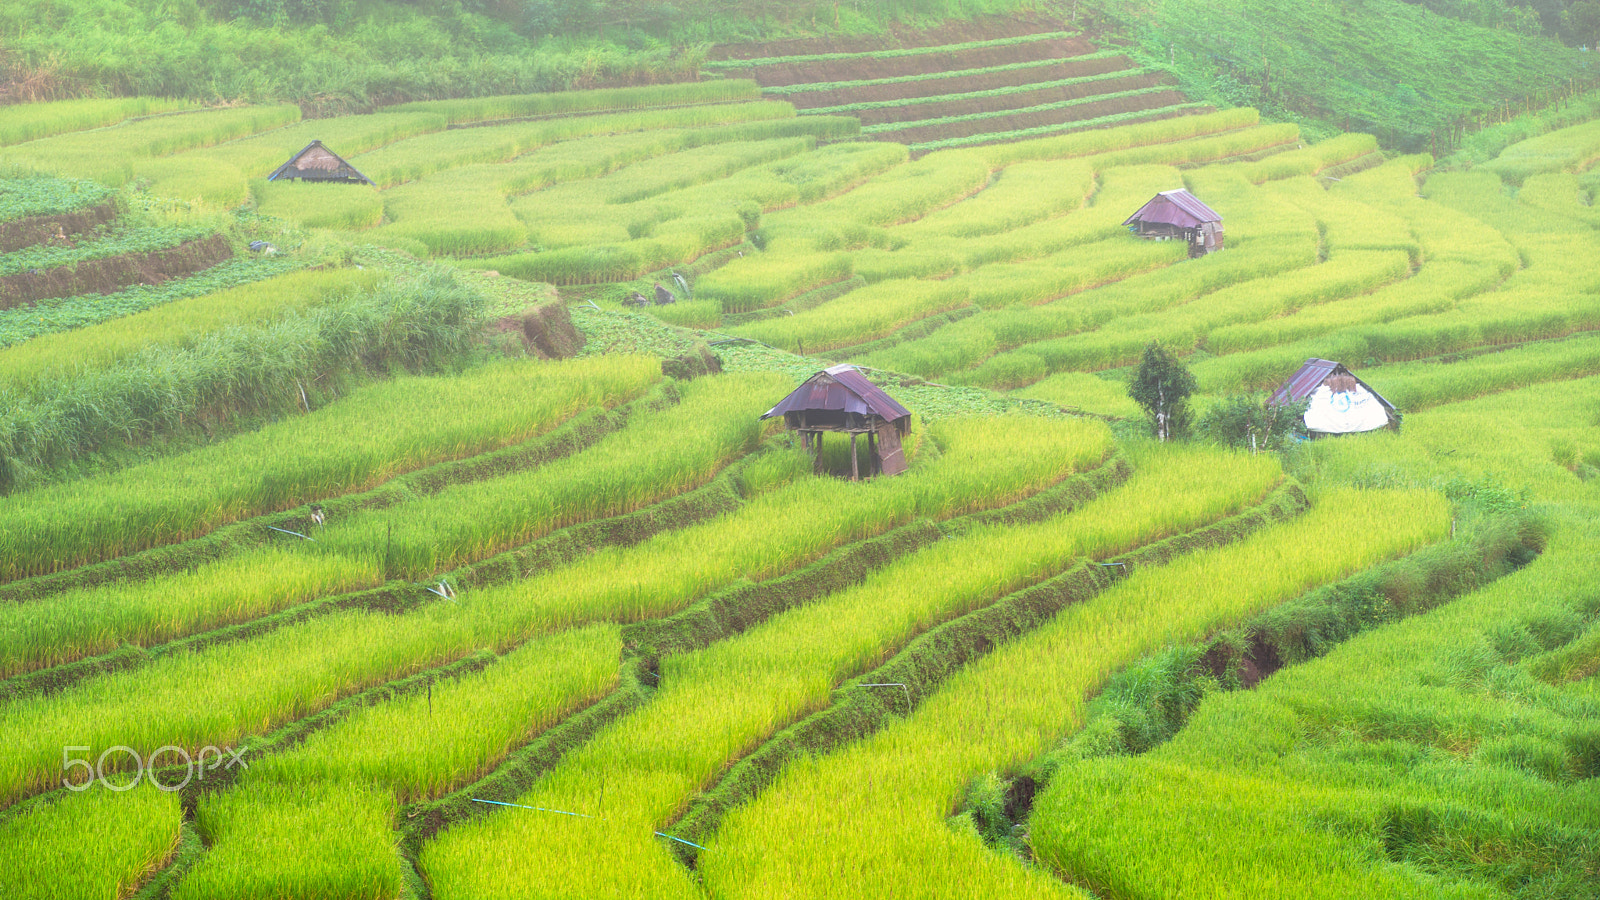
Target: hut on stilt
(842, 400)
(1339, 402)
(1179, 215)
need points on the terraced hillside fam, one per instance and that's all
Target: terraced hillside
(1024, 79)
(389, 605)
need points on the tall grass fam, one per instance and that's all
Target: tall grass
(714, 422)
(861, 315)
(1113, 139)
(338, 791)
(483, 109)
(377, 433)
(29, 121)
(871, 819)
(100, 346)
(99, 843)
(766, 279)
(716, 704)
(418, 325)
(111, 155)
(429, 153)
(1422, 745)
(193, 699)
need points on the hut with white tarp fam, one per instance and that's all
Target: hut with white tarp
(842, 400)
(1339, 402)
(1179, 215)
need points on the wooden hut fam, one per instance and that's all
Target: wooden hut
(318, 163)
(841, 399)
(1179, 215)
(1340, 403)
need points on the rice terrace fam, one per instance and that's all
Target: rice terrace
(1117, 449)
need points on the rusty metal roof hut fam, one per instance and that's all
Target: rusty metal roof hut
(842, 399)
(1339, 402)
(318, 163)
(1178, 214)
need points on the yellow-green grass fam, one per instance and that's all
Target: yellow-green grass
(1561, 193)
(1565, 149)
(193, 699)
(30, 121)
(110, 155)
(1310, 160)
(1435, 720)
(99, 346)
(717, 703)
(1021, 194)
(200, 183)
(714, 422)
(1053, 277)
(1347, 223)
(1121, 191)
(906, 192)
(1086, 143)
(429, 153)
(511, 106)
(101, 843)
(338, 791)
(80, 623)
(1436, 287)
(1121, 341)
(969, 342)
(1076, 391)
(345, 207)
(1195, 151)
(862, 315)
(218, 174)
(871, 819)
(382, 431)
(766, 279)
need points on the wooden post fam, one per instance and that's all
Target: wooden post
(816, 466)
(873, 467)
(855, 468)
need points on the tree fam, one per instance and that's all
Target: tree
(1162, 386)
(1248, 421)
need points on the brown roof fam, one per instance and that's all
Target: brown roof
(840, 388)
(317, 163)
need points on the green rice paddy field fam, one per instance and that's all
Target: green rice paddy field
(569, 622)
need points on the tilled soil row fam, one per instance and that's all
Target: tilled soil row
(960, 84)
(1017, 121)
(1019, 100)
(114, 273)
(20, 233)
(862, 68)
(987, 28)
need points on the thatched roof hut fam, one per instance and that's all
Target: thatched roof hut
(841, 399)
(1178, 214)
(1340, 403)
(318, 163)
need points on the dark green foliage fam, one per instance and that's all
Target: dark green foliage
(1162, 386)
(1247, 421)
(1151, 701)
(24, 194)
(1393, 69)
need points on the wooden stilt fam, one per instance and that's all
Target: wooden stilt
(816, 466)
(872, 454)
(855, 467)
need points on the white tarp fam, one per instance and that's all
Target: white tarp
(1345, 412)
